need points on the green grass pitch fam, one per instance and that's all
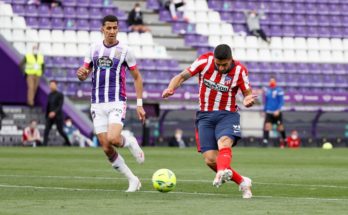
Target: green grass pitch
(81, 181)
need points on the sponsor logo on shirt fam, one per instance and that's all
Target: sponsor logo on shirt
(215, 86)
(104, 62)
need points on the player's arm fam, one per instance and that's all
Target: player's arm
(138, 84)
(176, 82)
(84, 71)
(243, 83)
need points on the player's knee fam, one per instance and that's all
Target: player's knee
(114, 140)
(225, 142)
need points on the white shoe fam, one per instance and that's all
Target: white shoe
(134, 148)
(134, 185)
(245, 187)
(221, 177)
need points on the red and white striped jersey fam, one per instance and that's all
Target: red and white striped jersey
(218, 91)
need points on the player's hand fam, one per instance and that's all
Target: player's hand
(51, 114)
(82, 73)
(249, 100)
(276, 113)
(167, 92)
(141, 114)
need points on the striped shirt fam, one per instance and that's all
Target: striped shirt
(218, 91)
(109, 64)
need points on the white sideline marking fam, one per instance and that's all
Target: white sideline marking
(146, 191)
(183, 180)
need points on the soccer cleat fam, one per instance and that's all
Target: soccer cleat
(221, 177)
(134, 148)
(245, 187)
(134, 185)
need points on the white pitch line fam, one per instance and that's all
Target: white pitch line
(182, 180)
(147, 191)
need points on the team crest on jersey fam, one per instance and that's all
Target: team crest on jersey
(228, 80)
(104, 62)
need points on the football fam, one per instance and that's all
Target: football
(164, 180)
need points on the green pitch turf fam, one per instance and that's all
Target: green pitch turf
(49, 181)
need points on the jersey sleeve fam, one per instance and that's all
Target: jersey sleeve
(87, 61)
(243, 81)
(198, 65)
(130, 59)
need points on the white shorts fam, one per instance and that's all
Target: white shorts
(104, 114)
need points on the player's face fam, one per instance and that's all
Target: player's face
(110, 30)
(223, 66)
(53, 86)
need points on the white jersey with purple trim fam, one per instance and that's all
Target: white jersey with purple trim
(109, 64)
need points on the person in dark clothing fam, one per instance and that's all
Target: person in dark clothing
(54, 113)
(135, 20)
(2, 115)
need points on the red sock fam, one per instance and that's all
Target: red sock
(223, 160)
(236, 177)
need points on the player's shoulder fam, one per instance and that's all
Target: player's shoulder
(206, 55)
(238, 63)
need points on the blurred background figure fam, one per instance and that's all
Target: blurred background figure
(2, 115)
(253, 23)
(31, 135)
(135, 20)
(33, 66)
(52, 3)
(54, 113)
(293, 140)
(172, 6)
(74, 134)
(177, 140)
(274, 101)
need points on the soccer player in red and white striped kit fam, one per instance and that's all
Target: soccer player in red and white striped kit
(218, 120)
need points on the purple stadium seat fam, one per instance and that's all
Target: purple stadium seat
(329, 80)
(96, 13)
(44, 11)
(335, 20)
(336, 32)
(123, 26)
(31, 10)
(215, 5)
(71, 75)
(32, 22)
(323, 9)
(179, 27)
(109, 11)
(148, 64)
(72, 62)
(290, 68)
(287, 7)
(287, 19)
(18, 9)
(288, 31)
(69, 12)
(252, 5)
(57, 23)
(311, 8)
(312, 31)
(324, 32)
(19, 1)
(164, 15)
(277, 67)
(82, 13)
(173, 65)
(153, 5)
(190, 40)
(341, 81)
(304, 80)
(44, 23)
(201, 41)
(237, 28)
(265, 67)
(253, 67)
(323, 20)
(58, 61)
(82, 24)
(314, 68)
(299, 19)
(71, 3)
(275, 19)
(227, 16)
(161, 65)
(302, 68)
(334, 9)
(238, 5)
(238, 17)
(202, 50)
(94, 24)
(300, 31)
(311, 20)
(121, 15)
(339, 69)
(276, 30)
(345, 20)
(57, 12)
(327, 69)
(275, 7)
(97, 3)
(300, 8)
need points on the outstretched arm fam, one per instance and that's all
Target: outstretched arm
(249, 98)
(175, 83)
(138, 84)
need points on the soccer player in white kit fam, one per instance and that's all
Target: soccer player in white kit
(108, 61)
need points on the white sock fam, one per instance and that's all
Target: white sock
(122, 167)
(125, 142)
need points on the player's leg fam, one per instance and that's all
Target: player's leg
(281, 130)
(48, 126)
(30, 93)
(59, 123)
(266, 129)
(116, 116)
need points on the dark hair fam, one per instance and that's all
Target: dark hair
(109, 18)
(223, 52)
(53, 81)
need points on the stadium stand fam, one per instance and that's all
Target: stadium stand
(308, 51)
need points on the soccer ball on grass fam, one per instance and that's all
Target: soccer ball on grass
(164, 180)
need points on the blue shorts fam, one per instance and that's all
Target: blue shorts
(212, 125)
